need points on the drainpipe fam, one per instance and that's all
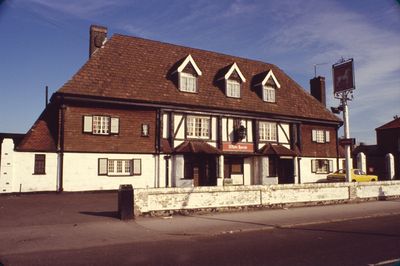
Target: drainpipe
(166, 158)
(60, 147)
(158, 141)
(337, 148)
(299, 170)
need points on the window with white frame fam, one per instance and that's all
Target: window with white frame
(187, 82)
(100, 124)
(198, 127)
(269, 94)
(321, 166)
(320, 136)
(232, 88)
(119, 167)
(267, 131)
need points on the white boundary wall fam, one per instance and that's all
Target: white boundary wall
(149, 200)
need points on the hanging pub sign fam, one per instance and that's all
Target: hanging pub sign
(343, 76)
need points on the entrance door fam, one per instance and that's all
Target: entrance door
(203, 169)
(285, 171)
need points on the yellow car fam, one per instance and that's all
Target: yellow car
(357, 175)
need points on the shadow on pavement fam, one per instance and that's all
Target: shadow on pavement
(110, 214)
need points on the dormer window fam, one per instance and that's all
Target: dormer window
(233, 81)
(232, 88)
(269, 93)
(187, 82)
(188, 71)
(269, 86)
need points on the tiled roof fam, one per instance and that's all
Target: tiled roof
(392, 124)
(135, 69)
(199, 147)
(279, 150)
(165, 147)
(42, 135)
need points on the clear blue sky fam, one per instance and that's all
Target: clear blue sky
(44, 42)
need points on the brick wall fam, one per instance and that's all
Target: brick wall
(129, 138)
(313, 149)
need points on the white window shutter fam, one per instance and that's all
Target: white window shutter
(114, 125)
(137, 166)
(103, 166)
(330, 170)
(314, 135)
(313, 166)
(87, 124)
(327, 136)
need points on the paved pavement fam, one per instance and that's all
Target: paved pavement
(73, 221)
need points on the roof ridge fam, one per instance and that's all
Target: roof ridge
(195, 48)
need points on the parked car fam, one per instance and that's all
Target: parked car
(357, 175)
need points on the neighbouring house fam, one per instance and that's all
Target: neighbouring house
(382, 159)
(154, 114)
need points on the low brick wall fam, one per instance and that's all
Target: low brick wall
(174, 199)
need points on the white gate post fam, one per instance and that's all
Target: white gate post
(361, 162)
(390, 166)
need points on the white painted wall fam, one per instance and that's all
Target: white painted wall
(165, 124)
(24, 168)
(179, 127)
(6, 166)
(81, 172)
(17, 171)
(306, 176)
(282, 129)
(247, 170)
(224, 129)
(214, 129)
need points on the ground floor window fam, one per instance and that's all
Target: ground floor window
(40, 164)
(321, 166)
(189, 167)
(233, 166)
(272, 166)
(120, 167)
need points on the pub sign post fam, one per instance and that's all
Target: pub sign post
(343, 86)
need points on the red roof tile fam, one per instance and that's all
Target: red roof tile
(279, 150)
(392, 124)
(136, 69)
(42, 135)
(196, 147)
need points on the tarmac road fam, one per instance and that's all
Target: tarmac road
(82, 229)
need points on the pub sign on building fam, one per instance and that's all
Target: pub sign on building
(153, 114)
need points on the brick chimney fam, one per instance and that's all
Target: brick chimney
(98, 34)
(317, 87)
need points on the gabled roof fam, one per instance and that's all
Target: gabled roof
(276, 149)
(42, 135)
(269, 75)
(196, 146)
(234, 68)
(395, 123)
(140, 70)
(189, 59)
